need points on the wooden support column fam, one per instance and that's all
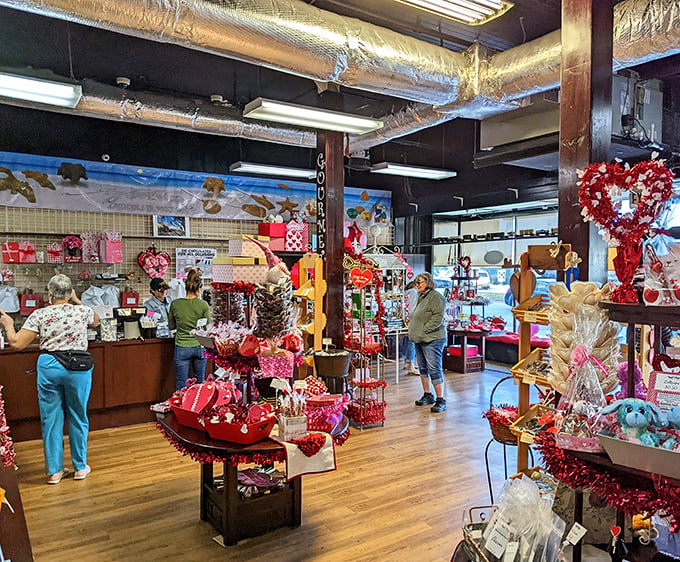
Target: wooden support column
(585, 120)
(330, 198)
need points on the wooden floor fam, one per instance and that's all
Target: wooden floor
(399, 492)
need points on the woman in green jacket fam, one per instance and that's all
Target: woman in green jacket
(426, 330)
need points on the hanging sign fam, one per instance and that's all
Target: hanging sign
(321, 204)
(189, 258)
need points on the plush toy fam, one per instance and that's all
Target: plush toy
(640, 387)
(634, 417)
(672, 443)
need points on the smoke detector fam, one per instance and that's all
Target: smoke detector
(122, 81)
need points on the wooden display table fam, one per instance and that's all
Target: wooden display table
(237, 518)
(465, 364)
(14, 541)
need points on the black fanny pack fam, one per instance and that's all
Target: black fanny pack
(74, 360)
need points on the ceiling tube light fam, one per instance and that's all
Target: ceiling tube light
(270, 170)
(470, 12)
(39, 89)
(422, 172)
(310, 117)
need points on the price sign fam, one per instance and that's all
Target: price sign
(530, 317)
(529, 379)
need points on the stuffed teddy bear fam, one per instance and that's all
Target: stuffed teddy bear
(634, 417)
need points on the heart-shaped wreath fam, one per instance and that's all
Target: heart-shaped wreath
(652, 182)
(153, 262)
(465, 262)
(311, 444)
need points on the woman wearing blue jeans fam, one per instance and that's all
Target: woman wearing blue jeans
(426, 330)
(184, 316)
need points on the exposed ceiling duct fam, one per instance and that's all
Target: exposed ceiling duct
(115, 104)
(295, 37)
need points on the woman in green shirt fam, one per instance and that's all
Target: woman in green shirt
(184, 316)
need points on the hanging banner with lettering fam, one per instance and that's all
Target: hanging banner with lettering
(45, 182)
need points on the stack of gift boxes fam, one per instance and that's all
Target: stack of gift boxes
(246, 262)
(290, 237)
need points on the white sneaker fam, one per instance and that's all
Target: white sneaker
(57, 476)
(82, 474)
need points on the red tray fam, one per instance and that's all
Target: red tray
(232, 431)
(185, 417)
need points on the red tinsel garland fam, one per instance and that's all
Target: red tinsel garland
(503, 414)
(340, 439)
(200, 456)
(371, 384)
(379, 319)
(238, 363)
(623, 492)
(237, 287)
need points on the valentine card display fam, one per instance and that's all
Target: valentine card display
(297, 236)
(652, 184)
(245, 246)
(73, 249)
(110, 247)
(55, 253)
(26, 252)
(10, 252)
(153, 262)
(583, 298)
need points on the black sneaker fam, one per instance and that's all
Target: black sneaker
(439, 406)
(427, 398)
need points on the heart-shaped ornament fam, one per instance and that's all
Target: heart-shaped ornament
(650, 181)
(615, 530)
(465, 262)
(360, 277)
(153, 262)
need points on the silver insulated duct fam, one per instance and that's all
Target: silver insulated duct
(295, 37)
(197, 116)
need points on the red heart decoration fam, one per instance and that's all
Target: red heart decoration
(153, 262)
(250, 346)
(199, 397)
(465, 262)
(360, 277)
(311, 444)
(599, 182)
(668, 361)
(650, 296)
(616, 530)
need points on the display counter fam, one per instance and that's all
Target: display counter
(128, 376)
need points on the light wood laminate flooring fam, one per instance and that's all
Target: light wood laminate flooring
(398, 495)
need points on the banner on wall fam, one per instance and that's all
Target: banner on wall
(189, 258)
(45, 182)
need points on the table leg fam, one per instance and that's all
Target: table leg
(296, 511)
(396, 349)
(230, 505)
(207, 482)
(463, 352)
(482, 345)
(578, 518)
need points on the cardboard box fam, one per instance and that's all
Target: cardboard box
(231, 273)
(244, 246)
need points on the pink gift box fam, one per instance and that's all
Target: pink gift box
(230, 273)
(277, 244)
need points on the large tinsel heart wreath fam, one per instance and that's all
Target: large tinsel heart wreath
(652, 182)
(153, 262)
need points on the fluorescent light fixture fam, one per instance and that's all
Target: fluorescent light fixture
(310, 117)
(545, 204)
(412, 171)
(470, 12)
(270, 170)
(40, 90)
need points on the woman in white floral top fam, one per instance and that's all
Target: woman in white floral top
(62, 326)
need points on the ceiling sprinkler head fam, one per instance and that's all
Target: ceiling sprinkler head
(216, 98)
(122, 81)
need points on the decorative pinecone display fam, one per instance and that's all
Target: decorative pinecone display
(273, 305)
(228, 307)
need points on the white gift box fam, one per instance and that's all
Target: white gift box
(244, 269)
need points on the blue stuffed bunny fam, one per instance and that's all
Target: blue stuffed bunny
(634, 417)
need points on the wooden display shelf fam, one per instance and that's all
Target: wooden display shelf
(519, 371)
(642, 314)
(517, 427)
(523, 314)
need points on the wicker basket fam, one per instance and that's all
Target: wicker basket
(502, 434)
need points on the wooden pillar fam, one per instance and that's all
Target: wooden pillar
(585, 120)
(330, 196)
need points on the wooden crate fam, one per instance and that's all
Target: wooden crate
(523, 314)
(521, 374)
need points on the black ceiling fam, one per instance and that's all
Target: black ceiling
(83, 52)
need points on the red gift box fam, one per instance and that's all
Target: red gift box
(29, 303)
(456, 350)
(272, 229)
(129, 299)
(10, 252)
(26, 252)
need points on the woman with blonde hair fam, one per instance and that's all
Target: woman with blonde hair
(64, 373)
(185, 315)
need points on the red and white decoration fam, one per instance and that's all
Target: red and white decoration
(153, 262)
(297, 237)
(652, 183)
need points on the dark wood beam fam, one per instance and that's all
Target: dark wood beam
(585, 120)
